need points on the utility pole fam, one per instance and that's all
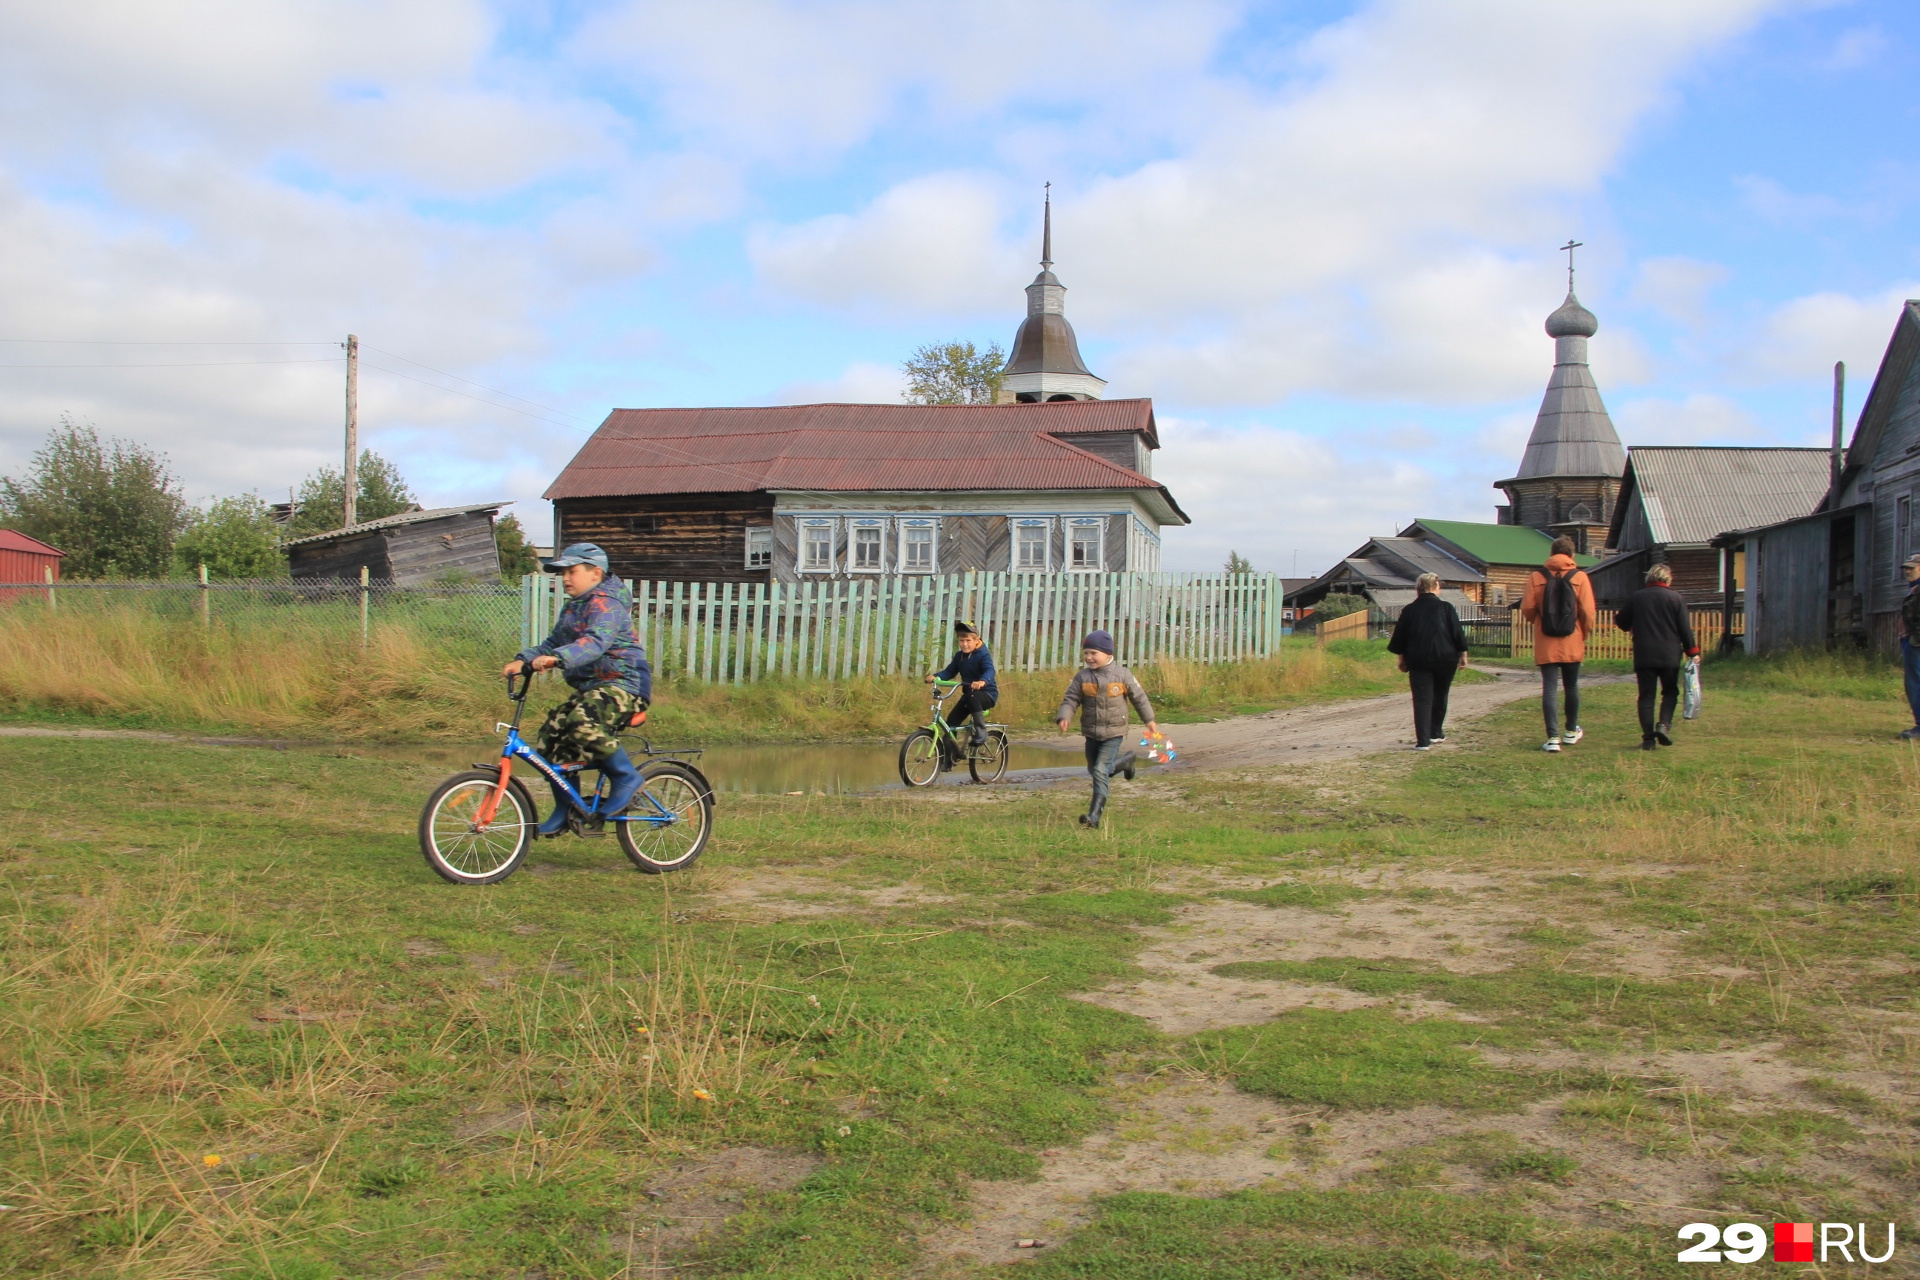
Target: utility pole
(1835, 460)
(352, 475)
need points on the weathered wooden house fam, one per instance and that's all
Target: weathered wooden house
(1506, 555)
(1569, 477)
(414, 548)
(1384, 570)
(1051, 480)
(1832, 579)
(846, 490)
(1674, 501)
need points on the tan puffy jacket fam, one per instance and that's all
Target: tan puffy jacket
(1102, 696)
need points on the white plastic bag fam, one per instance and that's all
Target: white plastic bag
(1690, 687)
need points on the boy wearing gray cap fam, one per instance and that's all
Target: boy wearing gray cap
(1102, 689)
(594, 645)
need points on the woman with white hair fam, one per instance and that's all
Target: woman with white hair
(1662, 637)
(1432, 646)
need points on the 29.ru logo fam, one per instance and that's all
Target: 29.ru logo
(1792, 1242)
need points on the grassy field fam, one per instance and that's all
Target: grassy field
(130, 669)
(244, 1032)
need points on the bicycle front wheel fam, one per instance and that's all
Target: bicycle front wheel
(989, 762)
(920, 759)
(668, 823)
(461, 848)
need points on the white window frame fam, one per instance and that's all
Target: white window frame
(1099, 526)
(807, 528)
(854, 530)
(1044, 524)
(907, 526)
(759, 543)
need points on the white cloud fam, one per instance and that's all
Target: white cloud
(1678, 287)
(1802, 338)
(1270, 493)
(860, 383)
(1365, 230)
(1698, 419)
(1855, 47)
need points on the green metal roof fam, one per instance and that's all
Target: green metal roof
(1499, 543)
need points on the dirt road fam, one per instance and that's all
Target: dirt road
(1337, 730)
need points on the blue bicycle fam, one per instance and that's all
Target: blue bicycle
(478, 826)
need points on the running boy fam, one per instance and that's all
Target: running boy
(1102, 690)
(972, 666)
(594, 645)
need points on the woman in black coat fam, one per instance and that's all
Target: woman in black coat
(1432, 646)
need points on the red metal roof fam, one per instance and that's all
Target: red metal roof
(855, 448)
(14, 540)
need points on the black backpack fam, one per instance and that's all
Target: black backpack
(1559, 606)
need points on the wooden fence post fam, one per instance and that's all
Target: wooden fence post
(206, 609)
(365, 611)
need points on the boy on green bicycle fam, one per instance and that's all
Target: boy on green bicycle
(972, 666)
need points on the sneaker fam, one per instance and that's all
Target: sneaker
(1911, 735)
(1423, 746)
(1553, 744)
(1438, 737)
(1663, 734)
(1648, 744)
(1568, 739)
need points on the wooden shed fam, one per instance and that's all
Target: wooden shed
(412, 549)
(24, 559)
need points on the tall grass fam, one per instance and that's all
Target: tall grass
(128, 667)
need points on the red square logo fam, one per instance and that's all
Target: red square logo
(1793, 1242)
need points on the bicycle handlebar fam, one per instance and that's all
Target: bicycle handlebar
(525, 677)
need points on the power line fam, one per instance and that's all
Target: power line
(183, 342)
(168, 364)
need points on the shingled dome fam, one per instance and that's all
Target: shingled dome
(1572, 434)
(1046, 364)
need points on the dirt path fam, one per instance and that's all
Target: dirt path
(1338, 730)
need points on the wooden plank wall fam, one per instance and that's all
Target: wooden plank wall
(432, 550)
(341, 558)
(674, 536)
(871, 627)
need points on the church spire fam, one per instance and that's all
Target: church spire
(1046, 363)
(1571, 471)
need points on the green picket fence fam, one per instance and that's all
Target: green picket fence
(839, 628)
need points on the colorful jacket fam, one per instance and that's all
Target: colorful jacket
(595, 643)
(1549, 649)
(1102, 696)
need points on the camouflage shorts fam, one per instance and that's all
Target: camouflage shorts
(586, 727)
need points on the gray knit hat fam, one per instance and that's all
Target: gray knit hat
(1098, 640)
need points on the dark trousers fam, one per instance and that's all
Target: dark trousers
(1567, 675)
(973, 704)
(1430, 688)
(1667, 681)
(1910, 664)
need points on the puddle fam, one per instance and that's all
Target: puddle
(828, 768)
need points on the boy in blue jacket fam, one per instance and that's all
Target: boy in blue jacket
(594, 645)
(972, 666)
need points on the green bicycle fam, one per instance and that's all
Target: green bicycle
(924, 754)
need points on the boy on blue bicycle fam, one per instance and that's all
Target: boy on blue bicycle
(594, 645)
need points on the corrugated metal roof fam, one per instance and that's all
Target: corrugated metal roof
(14, 540)
(404, 517)
(1426, 558)
(1692, 495)
(837, 448)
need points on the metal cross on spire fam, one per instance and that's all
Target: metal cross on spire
(1046, 236)
(1568, 249)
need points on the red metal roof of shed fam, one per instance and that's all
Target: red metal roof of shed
(14, 540)
(855, 448)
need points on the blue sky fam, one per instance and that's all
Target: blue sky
(1320, 236)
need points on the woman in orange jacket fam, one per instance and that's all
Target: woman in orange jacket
(1559, 604)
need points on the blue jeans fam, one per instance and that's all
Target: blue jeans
(1910, 665)
(1102, 755)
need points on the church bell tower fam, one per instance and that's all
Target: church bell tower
(1046, 363)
